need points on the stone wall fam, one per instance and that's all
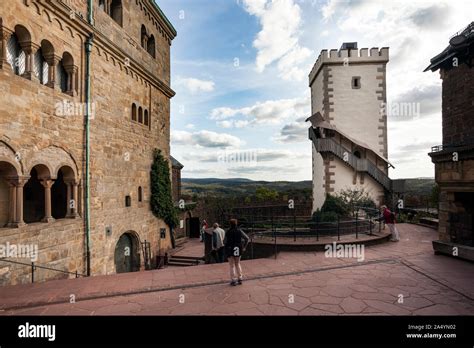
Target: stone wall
(458, 105)
(32, 132)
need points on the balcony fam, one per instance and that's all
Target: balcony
(451, 152)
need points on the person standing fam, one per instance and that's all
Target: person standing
(218, 236)
(389, 219)
(235, 243)
(203, 229)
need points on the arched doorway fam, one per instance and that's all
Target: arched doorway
(127, 256)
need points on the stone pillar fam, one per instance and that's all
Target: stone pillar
(5, 35)
(47, 183)
(69, 200)
(71, 80)
(12, 209)
(75, 192)
(15, 219)
(53, 62)
(72, 199)
(27, 47)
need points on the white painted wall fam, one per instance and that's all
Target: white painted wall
(319, 194)
(344, 180)
(357, 111)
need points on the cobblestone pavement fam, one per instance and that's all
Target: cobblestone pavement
(403, 278)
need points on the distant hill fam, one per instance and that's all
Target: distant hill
(239, 186)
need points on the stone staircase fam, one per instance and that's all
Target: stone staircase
(182, 260)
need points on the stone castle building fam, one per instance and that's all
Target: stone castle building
(349, 122)
(454, 159)
(54, 129)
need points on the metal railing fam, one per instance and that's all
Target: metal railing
(34, 266)
(282, 229)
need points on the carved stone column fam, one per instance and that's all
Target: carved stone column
(27, 47)
(71, 71)
(53, 62)
(5, 35)
(75, 195)
(15, 216)
(47, 183)
(12, 207)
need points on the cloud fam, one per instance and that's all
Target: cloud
(205, 138)
(190, 126)
(425, 99)
(293, 132)
(268, 112)
(194, 85)
(278, 40)
(234, 123)
(263, 169)
(260, 155)
(431, 17)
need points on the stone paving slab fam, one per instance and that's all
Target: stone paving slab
(320, 285)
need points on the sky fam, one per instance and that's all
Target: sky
(240, 72)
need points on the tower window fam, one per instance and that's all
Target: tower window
(140, 194)
(128, 201)
(355, 82)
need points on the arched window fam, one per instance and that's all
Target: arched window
(144, 37)
(140, 194)
(7, 213)
(44, 62)
(64, 200)
(66, 74)
(146, 118)
(116, 11)
(134, 112)
(151, 46)
(61, 77)
(140, 115)
(16, 57)
(33, 195)
(40, 67)
(102, 5)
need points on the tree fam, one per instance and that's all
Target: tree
(161, 200)
(356, 198)
(264, 194)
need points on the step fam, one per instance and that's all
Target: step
(187, 257)
(181, 263)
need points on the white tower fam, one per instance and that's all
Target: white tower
(349, 122)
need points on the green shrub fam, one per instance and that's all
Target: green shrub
(335, 204)
(161, 200)
(328, 216)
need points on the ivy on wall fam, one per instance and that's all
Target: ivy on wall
(161, 199)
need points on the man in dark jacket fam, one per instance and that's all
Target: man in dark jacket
(235, 243)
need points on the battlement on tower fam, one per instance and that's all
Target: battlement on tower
(349, 56)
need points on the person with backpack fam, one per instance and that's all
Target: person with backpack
(235, 243)
(389, 218)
